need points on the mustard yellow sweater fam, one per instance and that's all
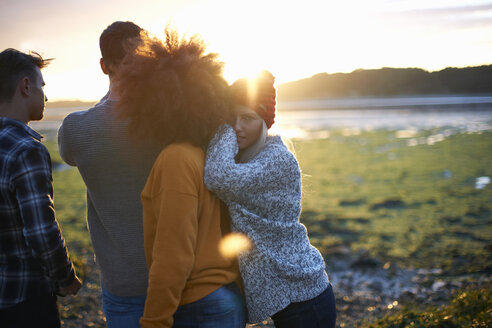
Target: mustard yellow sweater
(182, 230)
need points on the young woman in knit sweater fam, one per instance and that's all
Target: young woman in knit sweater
(259, 179)
(175, 96)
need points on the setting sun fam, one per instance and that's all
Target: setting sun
(351, 190)
(291, 39)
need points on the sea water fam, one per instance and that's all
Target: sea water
(317, 118)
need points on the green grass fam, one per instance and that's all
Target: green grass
(469, 308)
(417, 206)
(70, 207)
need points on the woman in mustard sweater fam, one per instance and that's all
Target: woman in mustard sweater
(174, 95)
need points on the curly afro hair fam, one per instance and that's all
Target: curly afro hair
(171, 91)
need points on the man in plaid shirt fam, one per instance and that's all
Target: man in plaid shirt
(34, 263)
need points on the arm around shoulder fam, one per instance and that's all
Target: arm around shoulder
(227, 178)
(220, 158)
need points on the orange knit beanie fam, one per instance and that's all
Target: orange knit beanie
(258, 94)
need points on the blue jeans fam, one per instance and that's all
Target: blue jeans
(319, 312)
(223, 308)
(122, 312)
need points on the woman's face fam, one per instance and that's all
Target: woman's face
(248, 126)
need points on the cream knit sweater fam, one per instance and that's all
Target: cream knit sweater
(264, 200)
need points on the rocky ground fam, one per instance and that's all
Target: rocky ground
(85, 309)
(365, 290)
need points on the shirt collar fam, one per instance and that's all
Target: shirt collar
(4, 121)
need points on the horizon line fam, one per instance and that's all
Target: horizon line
(57, 100)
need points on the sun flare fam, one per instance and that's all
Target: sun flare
(234, 244)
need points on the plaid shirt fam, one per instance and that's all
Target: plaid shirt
(33, 256)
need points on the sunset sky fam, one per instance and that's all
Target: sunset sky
(293, 39)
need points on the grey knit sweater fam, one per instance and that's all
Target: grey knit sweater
(264, 200)
(115, 170)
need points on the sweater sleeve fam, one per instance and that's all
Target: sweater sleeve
(170, 232)
(274, 167)
(64, 144)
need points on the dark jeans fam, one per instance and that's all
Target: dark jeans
(223, 308)
(319, 312)
(122, 312)
(40, 312)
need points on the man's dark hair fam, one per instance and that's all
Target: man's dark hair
(113, 41)
(14, 65)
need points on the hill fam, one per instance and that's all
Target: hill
(69, 104)
(384, 82)
(387, 82)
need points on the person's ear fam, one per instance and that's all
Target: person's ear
(104, 68)
(25, 86)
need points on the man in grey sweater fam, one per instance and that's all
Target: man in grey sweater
(114, 169)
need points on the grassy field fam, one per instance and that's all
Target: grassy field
(410, 201)
(415, 205)
(69, 198)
